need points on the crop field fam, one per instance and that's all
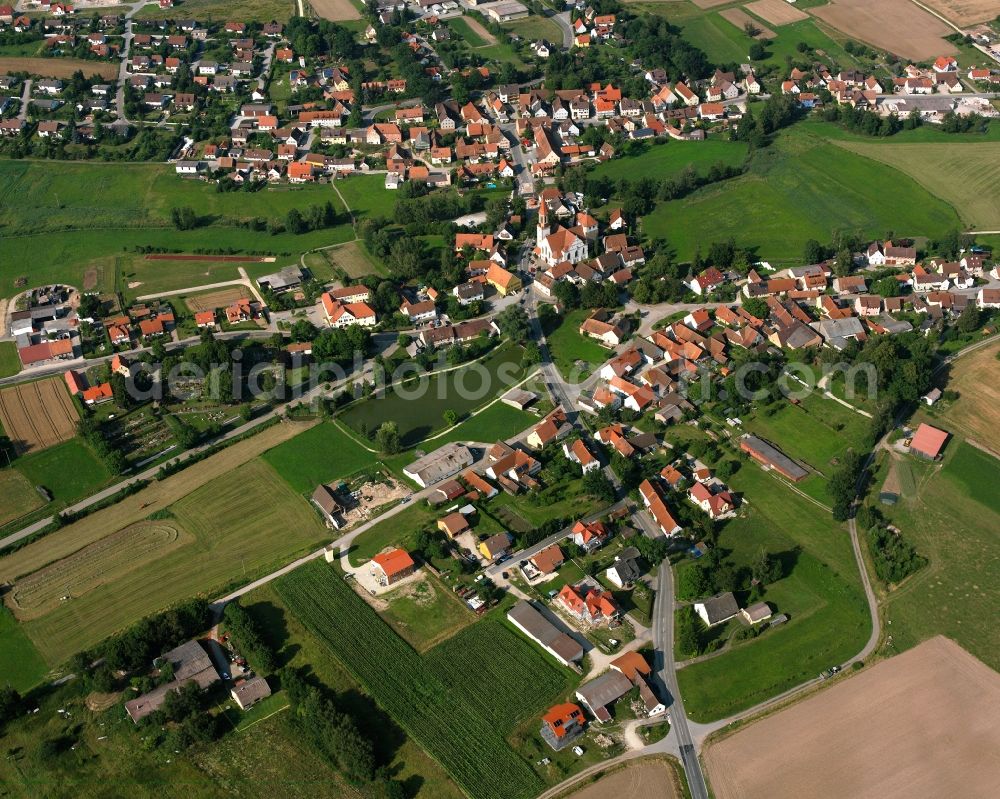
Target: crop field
(58, 67)
(68, 471)
(418, 405)
(231, 542)
(220, 298)
(964, 13)
(894, 25)
(801, 187)
(976, 412)
(259, 10)
(322, 454)
(673, 157)
(335, 10)
(528, 681)
(37, 415)
(739, 18)
(820, 590)
(874, 738)
(962, 174)
(777, 12)
(452, 731)
(647, 779)
(98, 564)
(17, 496)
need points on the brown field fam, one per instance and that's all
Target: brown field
(964, 13)
(17, 496)
(351, 258)
(976, 412)
(710, 3)
(480, 30)
(159, 495)
(95, 565)
(739, 18)
(920, 724)
(39, 414)
(894, 25)
(219, 298)
(777, 12)
(648, 779)
(57, 67)
(335, 10)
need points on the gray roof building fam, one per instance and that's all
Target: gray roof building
(191, 663)
(533, 624)
(717, 609)
(288, 278)
(605, 690)
(439, 465)
(249, 692)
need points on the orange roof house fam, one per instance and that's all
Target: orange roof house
(928, 441)
(549, 559)
(98, 394)
(205, 318)
(391, 567)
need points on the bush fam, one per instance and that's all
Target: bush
(247, 637)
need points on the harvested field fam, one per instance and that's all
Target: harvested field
(976, 378)
(777, 12)
(964, 13)
(219, 298)
(100, 563)
(898, 26)
(647, 779)
(17, 496)
(335, 10)
(137, 507)
(739, 18)
(920, 724)
(710, 3)
(352, 259)
(58, 67)
(37, 415)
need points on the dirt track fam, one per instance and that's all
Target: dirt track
(922, 724)
(898, 26)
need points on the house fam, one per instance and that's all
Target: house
(609, 335)
(329, 506)
(717, 609)
(95, 395)
(706, 282)
(391, 567)
(548, 560)
(496, 546)
(928, 441)
(588, 604)
(453, 524)
(439, 465)
(190, 664)
(657, 508)
(550, 429)
(634, 666)
(503, 281)
(562, 725)
(589, 535)
(578, 453)
(479, 484)
(344, 314)
(205, 319)
(469, 292)
(602, 692)
(715, 505)
(539, 629)
(625, 571)
(756, 613)
(771, 457)
(418, 311)
(988, 298)
(247, 693)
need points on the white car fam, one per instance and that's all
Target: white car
(578, 751)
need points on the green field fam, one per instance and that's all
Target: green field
(461, 27)
(426, 612)
(567, 346)
(321, 454)
(963, 174)
(69, 471)
(399, 530)
(821, 593)
(461, 390)
(21, 667)
(257, 10)
(18, 496)
(672, 157)
(498, 422)
(453, 731)
(534, 28)
(10, 364)
(239, 525)
(976, 474)
(366, 195)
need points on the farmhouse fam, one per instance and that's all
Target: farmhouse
(190, 663)
(330, 508)
(496, 546)
(717, 609)
(284, 280)
(756, 613)
(607, 689)
(772, 458)
(247, 693)
(453, 524)
(391, 567)
(539, 629)
(625, 571)
(548, 560)
(439, 465)
(562, 725)
(928, 441)
(658, 509)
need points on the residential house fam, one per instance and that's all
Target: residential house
(390, 567)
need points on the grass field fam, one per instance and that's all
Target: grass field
(418, 406)
(976, 412)
(671, 158)
(400, 530)
(975, 474)
(463, 29)
(68, 471)
(496, 423)
(366, 195)
(962, 174)
(322, 454)
(351, 258)
(18, 496)
(567, 346)
(425, 612)
(58, 67)
(534, 28)
(407, 687)
(259, 10)
(801, 187)
(21, 666)
(10, 364)
(821, 592)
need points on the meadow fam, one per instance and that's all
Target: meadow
(21, 666)
(498, 422)
(976, 412)
(322, 454)
(259, 10)
(534, 28)
(69, 471)
(820, 590)
(400, 530)
(801, 187)
(17, 496)
(10, 364)
(567, 346)
(407, 687)
(672, 157)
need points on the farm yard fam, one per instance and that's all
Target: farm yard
(870, 741)
(898, 26)
(424, 612)
(37, 415)
(335, 10)
(57, 67)
(407, 687)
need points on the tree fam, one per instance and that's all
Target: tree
(693, 582)
(294, 222)
(688, 632)
(968, 320)
(886, 287)
(814, 252)
(450, 417)
(598, 486)
(845, 262)
(756, 307)
(513, 323)
(184, 218)
(765, 568)
(387, 437)
(10, 704)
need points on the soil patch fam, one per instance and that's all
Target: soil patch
(39, 414)
(898, 26)
(645, 780)
(777, 12)
(739, 18)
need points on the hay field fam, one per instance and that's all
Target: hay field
(964, 13)
(920, 724)
(335, 10)
(158, 496)
(647, 779)
(976, 412)
(739, 18)
(898, 26)
(244, 524)
(17, 496)
(39, 414)
(219, 298)
(58, 67)
(777, 12)
(965, 175)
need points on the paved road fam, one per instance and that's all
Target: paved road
(123, 74)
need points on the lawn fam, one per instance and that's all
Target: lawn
(10, 364)
(461, 27)
(498, 422)
(69, 471)
(534, 28)
(351, 258)
(821, 592)
(451, 728)
(975, 474)
(322, 454)
(419, 404)
(565, 500)
(399, 530)
(425, 612)
(240, 525)
(18, 496)
(366, 195)
(257, 10)
(801, 187)
(567, 346)
(670, 158)
(21, 666)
